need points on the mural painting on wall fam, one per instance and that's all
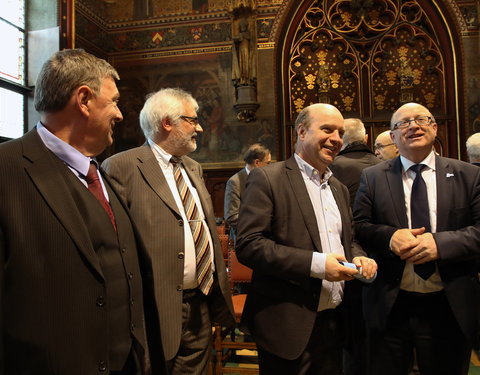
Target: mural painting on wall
(223, 140)
(366, 55)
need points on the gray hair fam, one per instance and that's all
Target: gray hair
(255, 151)
(165, 103)
(354, 131)
(65, 71)
(473, 147)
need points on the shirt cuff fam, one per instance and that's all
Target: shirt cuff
(317, 268)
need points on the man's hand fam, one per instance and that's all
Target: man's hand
(334, 271)
(425, 251)
(404, 240)
(369, 266)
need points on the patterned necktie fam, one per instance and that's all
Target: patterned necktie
(203, 257)
(420, 215)
(95, 187)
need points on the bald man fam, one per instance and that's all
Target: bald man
(385, 148)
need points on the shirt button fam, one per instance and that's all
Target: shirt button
(130, 275)
(123, 250)
(180, 223)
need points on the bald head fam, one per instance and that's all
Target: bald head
(473, 148)
(385, 149)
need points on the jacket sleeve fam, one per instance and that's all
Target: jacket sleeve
(232, 202)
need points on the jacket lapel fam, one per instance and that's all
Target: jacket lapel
(153, 175)
(393, 172)
(445, 178)
(49, 181)
(301, 195)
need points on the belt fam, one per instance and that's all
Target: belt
(189, 294)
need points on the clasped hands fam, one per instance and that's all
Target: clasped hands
(334, 271)
(414, 245)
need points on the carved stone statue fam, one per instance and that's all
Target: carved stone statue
(243, 53)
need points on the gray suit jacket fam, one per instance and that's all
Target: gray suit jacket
(277, 235)
(380, 211)
(144, 189)
(233, 194)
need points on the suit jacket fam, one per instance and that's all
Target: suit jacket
(233, 193)
(350, 163)
(380, 211)
(144, 189)
(53, 293)
(277, 235)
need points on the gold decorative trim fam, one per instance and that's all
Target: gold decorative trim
(266, 45)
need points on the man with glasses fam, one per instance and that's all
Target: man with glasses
(418, 215)
(385, 149)
(169, 203)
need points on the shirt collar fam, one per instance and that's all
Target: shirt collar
(429, 161)
(163, 156)
(67, 153)
(310, 171)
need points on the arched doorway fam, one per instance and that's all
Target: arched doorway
(367, 57)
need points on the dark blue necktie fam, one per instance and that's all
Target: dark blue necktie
(420, 215)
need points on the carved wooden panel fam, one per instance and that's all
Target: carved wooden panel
(368, 57)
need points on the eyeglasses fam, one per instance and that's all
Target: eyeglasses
(381, 147)
(420, 121)
(191, 120)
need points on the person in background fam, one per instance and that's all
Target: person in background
(418, 215)
(354, 156)
(257, 155)
(473, 149)
(294, 228)
(168, 201)
(385, 148)
(71, 298)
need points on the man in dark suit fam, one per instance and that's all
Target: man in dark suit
(168, 200)
(70, 285)
(418, 215)
(354, 157)
(257, 155)
(347, 167)
(294, 227)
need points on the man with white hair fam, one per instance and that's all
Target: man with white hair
(354, 156)
(168, 201)
(473, 149)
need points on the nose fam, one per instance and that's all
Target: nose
(118, 116)
(198, 128)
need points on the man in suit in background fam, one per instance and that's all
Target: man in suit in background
(473, 149)
(70, 286)
(385, 148)
(354, 156)
(418, 215)
(294, 227)
(257, 155)
(168, 200)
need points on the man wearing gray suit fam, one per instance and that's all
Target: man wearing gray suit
(168, 200)
(256, 156)
(294, 229)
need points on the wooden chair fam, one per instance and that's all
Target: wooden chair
(225, 341)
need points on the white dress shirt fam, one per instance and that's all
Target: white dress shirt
(329, 224)
(189, 273)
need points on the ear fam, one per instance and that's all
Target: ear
(366, 139)
(301, 130)
(392, 136)
(82, 96)
(167, 124)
